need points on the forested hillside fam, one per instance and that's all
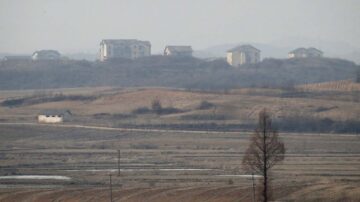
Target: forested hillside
(180, 72)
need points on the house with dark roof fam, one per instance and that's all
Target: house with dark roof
(305, 53)
(53, 116)
(46, 55)
(178, 51)
(124, 48)
(244, 54)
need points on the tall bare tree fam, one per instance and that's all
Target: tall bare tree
(265, 150)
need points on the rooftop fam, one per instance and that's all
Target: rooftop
(47, 52)
(246, 47)
(179, 48)
(302, 50)
(123, 41)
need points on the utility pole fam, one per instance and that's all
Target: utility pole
(118, 162)
(253, 182)
(111, 197)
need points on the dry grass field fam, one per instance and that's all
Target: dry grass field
(171, 165)
(235, 106)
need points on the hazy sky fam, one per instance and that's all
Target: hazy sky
(79, 25)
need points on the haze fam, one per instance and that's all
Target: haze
(78, 26)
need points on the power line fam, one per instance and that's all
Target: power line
(119, 162)
(111, 197)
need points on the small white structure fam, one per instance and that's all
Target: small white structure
(305, 53)
(124, 48)
(53, 116)
(178, 51)
(46, 55)
(244, 54)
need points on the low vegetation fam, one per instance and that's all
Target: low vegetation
(112, 116)
(322, 125)
(205, 105)
(142, 110)
(204, 117)
(38, 99)
(156, 108)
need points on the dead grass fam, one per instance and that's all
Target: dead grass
(315, 164)
(343, 85)
(318, 167)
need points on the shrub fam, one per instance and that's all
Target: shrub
(141, 110)
(122, 116)
(204, 117)
(170, 110)
(144, 146)
(156, 106)
(205, 105)
(113, 116)
(101, 115)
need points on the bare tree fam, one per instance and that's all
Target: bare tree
(265, 150)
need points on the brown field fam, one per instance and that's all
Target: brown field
(237, 106)
(172, 165)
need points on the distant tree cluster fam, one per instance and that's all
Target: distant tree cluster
(179, 72)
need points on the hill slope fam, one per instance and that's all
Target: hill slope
(172, 72)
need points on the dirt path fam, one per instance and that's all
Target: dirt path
(161, 130)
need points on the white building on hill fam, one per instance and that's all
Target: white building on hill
(124, 48)
(46, 55)
(244, 54)
(305, 53)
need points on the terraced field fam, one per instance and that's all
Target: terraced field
(161, 166)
